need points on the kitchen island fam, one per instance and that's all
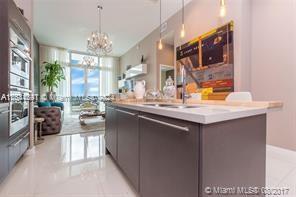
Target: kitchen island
(172, 150)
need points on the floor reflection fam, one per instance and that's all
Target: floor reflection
(76, 166)
(82, 147)
(67, 166)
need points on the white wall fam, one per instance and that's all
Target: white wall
(264, 52)
(273, 70)
(201, 16)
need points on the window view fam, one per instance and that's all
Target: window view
(78, 81)
(85, 78)
(92, 82)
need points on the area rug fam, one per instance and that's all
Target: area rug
(71, 125)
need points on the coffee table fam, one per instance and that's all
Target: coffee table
(84, 115)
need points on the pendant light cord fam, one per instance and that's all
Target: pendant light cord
(183, 5)
(160, 17)
(100, 16)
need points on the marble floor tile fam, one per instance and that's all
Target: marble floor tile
(76, 166)
(289, 182)
(277, 170)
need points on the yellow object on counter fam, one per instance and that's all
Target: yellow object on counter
(205, 93)
(192, 88)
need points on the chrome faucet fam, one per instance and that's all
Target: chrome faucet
(185, 96)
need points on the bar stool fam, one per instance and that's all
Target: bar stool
(38, 133)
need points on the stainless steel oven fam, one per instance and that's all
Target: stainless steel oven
(19, 62)
(19, 76)
(19, 110)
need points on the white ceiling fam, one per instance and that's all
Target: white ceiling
(68, 23)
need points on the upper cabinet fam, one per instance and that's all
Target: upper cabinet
(18, 22)
(27, 8)
(136, 71)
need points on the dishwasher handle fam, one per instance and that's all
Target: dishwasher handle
(126, 112)
(182, 128)
(4, 112)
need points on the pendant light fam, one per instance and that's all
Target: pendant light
(182, 34)
(160, 46)
(222, 8)
(99, 43)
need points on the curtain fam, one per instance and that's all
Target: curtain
(108, 75)
(51, 54)
(109, 69)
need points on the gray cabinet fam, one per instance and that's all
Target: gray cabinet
(111, 131)
(168, 157)
(233, 154)
(128, 144)
(24, 145)
(4, 114)
(17, 20)
(14, 153)
(17, 148)
(4, 47)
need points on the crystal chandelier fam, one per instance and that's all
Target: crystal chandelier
(99, 43)
(88, 61)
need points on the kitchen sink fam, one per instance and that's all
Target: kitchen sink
(157, 105)
(173, 106)
(183, 106)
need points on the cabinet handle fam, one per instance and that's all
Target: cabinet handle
(126, 112)
(166, 123)
(26, 135)
(4, 112)
(15, 144)
(20, 90)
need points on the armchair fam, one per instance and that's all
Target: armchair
(53, 119)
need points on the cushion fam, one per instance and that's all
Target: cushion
(58, 104)
(44, 104)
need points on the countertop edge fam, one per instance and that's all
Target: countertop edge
(260, 104)
(191, 117)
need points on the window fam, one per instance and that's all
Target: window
(99, 79)
(78, 84)
(93, 81)
(84, 78)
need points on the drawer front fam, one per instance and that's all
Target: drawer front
(14, 153)
(17, 149)
(111, 131)
(168, 157)
(128, 144)
(25, 144)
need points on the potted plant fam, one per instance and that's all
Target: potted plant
(52, 75)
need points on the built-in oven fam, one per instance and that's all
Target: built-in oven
(19, 56)
(19, 110)
(19, 81)
(19, 77)
(19, 62)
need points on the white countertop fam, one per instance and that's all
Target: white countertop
(205, 114)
